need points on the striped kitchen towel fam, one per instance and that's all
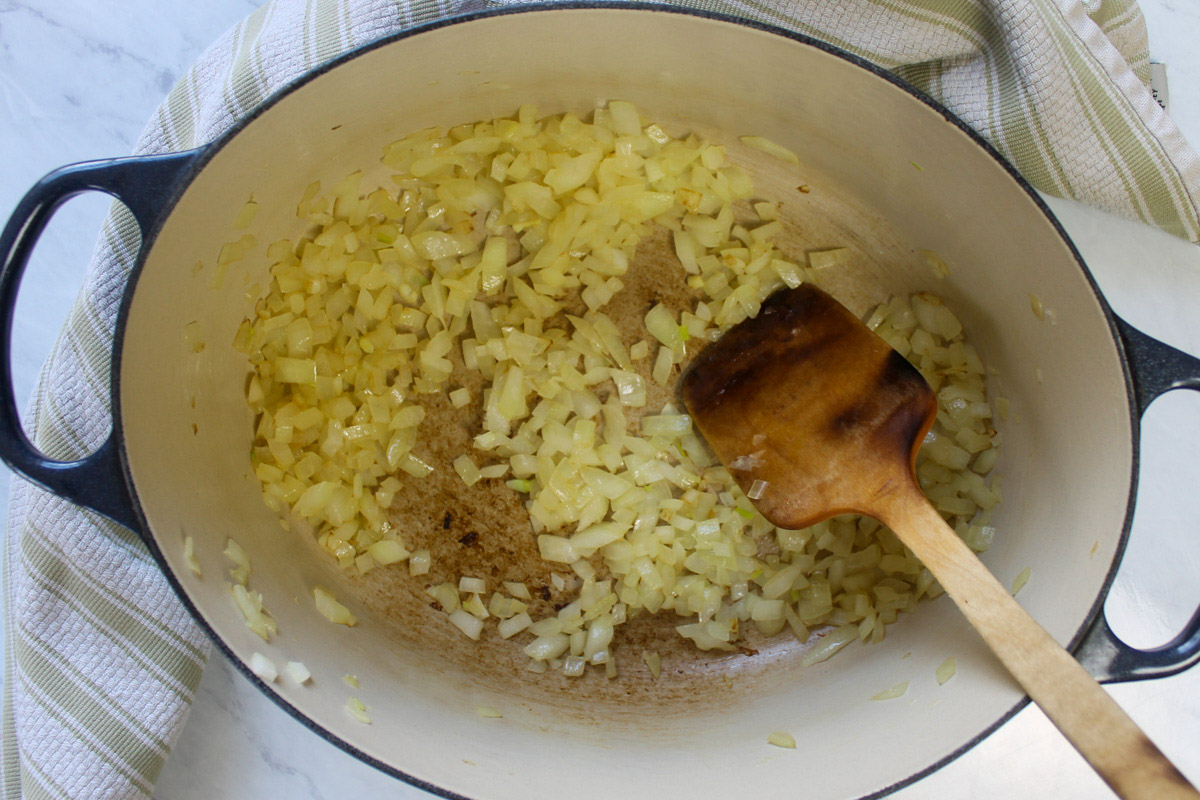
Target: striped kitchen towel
(101, 661)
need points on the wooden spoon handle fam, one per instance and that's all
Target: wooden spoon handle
(1085, 713)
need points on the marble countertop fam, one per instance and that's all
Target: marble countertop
(78, 79)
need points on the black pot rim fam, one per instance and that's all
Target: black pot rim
(208, 151)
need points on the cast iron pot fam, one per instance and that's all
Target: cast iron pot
(890, 172)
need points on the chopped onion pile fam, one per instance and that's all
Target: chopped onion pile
(497, 231)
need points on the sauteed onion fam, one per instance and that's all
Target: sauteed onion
(498, 249)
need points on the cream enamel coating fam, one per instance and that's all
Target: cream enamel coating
(870, 153)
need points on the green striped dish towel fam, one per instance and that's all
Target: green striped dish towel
(102, 661)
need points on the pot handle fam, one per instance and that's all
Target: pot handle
(145, 185)
(1156, 368)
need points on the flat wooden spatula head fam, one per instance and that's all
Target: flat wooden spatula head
(809, 401)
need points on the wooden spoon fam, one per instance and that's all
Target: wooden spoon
(805, 399)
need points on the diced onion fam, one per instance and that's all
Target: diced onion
(1036, 305)
(331, 609)
(241, 569)
(474, 606)
(946, 670)
(1020, 581)
(771, 148)
(251, 606)
(387, 551)
(653, 663)
(491, 270)
(936, 263)
(189, 556)
(475, 585)
(891, 694)
(446, 595)
(467, 470)
(661, 324)
(467, 623)
(297, 672)
(356, 709)
(823, 259)
(782, 739)
(263, 667)
(419, 562)
(547, 647)
(829, 644)
(513, 625)
(666, 425)
(295, 370)
(518, 590)
(556, 548)
(246, 215)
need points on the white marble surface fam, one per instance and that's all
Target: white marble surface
(78, 79)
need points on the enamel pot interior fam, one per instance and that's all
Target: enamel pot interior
(889, 176)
